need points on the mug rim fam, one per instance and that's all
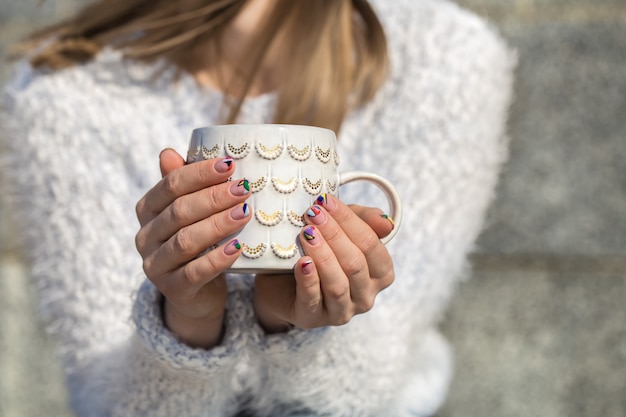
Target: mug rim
(261, 125)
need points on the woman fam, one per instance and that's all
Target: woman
(418, 91)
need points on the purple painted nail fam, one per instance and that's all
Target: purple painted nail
(232, 248)
(309, 234)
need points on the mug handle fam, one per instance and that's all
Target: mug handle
(393, 198)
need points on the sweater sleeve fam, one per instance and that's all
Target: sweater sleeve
(437, 131)
(73, 189)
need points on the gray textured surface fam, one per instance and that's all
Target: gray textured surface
(564, 189)
(546, 339)
(540, 327)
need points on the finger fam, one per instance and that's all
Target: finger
(334, 284)
(352, 260)
(192, 240)
(382, 224)
(190, 209)
(308, 304)
(169, 160)
(185, 282)
(360, 233)
(182, 181)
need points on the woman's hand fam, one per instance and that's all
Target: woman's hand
(191, 209)
(345, 268)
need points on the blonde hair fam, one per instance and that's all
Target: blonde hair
(337, 48)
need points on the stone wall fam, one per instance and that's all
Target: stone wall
(539, 329)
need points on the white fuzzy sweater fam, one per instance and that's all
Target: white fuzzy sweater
(83, 146)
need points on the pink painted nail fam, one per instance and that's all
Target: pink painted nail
(307, 267)
(232, 248)
(386, 216)
(240, 212)
(316, 214)
(224, 165)
(240, 188)
(324, 201)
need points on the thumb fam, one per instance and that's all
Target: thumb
(169, 160)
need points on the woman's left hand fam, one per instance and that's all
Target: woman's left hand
(345, 267)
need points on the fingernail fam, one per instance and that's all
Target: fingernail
(240, 188)
(316, 214)
(232, 248)
(307, 267)
(386, 216)
(240, 212)
(324, 201)
(224, 165)
(309, 235)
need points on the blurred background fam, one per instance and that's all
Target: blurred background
(540, 328)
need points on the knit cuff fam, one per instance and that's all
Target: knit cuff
(147, 315)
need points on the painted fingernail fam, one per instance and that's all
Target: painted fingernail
(324, 201)
(240, 212)
(386, 216)
(232, 248)
(309, 235)
(224, 165)
(240, 188)
(315, 214)
(307, 267)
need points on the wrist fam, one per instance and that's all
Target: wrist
(200, 332)
(268, 320)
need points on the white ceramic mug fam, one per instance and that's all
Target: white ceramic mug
(287, 167)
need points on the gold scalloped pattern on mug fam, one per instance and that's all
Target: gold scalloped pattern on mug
(285, 187)
(258, 185)
(255, 252)
(210, 153)
(299, 154)
(336, 156)
(312, 187)
(323, 155)
(284, 253)
(238, 153)
(331, 186)
(295, 218)
(192, 154)
(269, 153)
(269, 219)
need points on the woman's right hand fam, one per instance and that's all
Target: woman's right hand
(191, 209)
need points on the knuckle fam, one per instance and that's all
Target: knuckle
(182, 242)
(213, 197)
(147, 267)
(355, 267)
(343, 318)
(171, 184)
(219, 227)
(203, 174)
(388, 278)
(332, 233)
(365, 305)
(140, 241)
(190, 275)
(337, 291)
(212, 265)
(178, 211)
(140, 208)
(369, 243)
